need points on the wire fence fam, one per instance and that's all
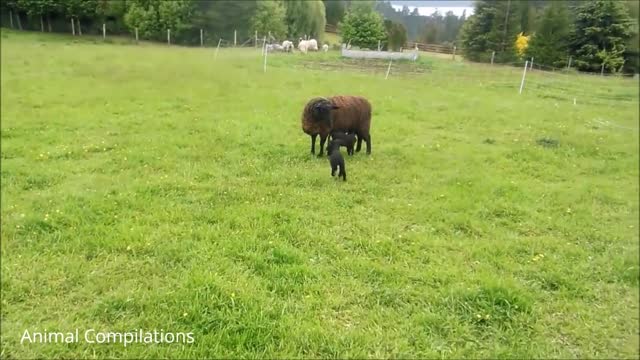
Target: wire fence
(547, 82)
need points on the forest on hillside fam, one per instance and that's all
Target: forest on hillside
(591, 35)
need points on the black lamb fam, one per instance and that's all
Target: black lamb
(335, 158)
(348, 140)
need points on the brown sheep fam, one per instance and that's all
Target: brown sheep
(345, 113)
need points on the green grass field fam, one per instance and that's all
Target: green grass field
(153, 187)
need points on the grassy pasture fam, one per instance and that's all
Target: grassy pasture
(148, 187)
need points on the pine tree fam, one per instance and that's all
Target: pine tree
(493, 27)
(602, 29)
(549, 44)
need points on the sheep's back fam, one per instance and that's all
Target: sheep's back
(353, 113)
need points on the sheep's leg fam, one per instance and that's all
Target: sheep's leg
(322, 140)
(343, 173)
(313, 143)
(359, 143)
(368, 140)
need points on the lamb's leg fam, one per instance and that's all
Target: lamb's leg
(343, 172)
(368, 139)
(313, 143)
(322, 140)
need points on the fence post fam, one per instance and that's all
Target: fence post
(104, 31)
(79, 28)
(378, 45)
(531, 65)
(217, 48)
(136, 35)
(493, 54)
(602, 70)
(524, 73)
(264, 45)
(169, 36)
(201, 37)
(569, 65)
(265, 60)
(11, 18)
(41, 24)
(388, 69)
(454, 53)
(256, 37)
(73, 27)
(235, 37)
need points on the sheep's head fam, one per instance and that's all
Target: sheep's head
(321, 111)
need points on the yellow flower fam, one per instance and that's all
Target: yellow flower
(522, 42)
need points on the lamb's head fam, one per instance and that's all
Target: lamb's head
(321, 110)
(332, 146)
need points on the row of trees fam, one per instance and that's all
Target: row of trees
(433, 29)
(185, 18)
(359, 22)
(591, 34)
(364, 23)
(594, 34)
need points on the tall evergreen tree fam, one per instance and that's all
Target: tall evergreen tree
(493, 27)
(549, 44)
(601, 31)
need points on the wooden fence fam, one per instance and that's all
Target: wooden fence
(442, 49)
(331, 28)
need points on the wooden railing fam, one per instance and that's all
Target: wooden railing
(442, 49)
(331, 28)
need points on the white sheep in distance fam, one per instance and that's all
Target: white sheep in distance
(325, 47)
(303, 46)
(313, 45)
(307, 45)
(274, 47)
(287, 45)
